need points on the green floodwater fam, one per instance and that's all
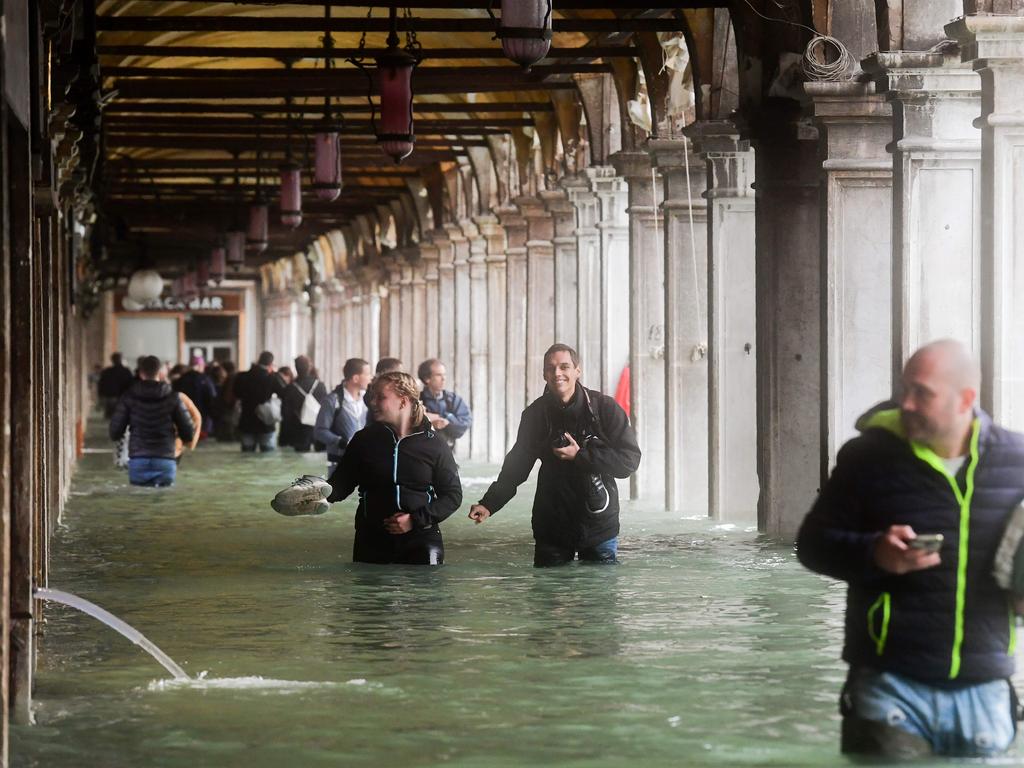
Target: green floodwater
(707, 647)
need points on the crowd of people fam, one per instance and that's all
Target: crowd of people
(922, 516)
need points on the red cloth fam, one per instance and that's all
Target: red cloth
(622, 391)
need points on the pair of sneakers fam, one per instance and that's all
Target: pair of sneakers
(307, 495)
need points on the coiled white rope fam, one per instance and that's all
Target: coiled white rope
(826, 59)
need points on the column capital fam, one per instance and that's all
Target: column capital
(989, 38)
(632, 164)
(671, 154)
(911, 75)
(855, 123)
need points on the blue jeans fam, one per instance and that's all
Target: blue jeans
(150, 471)
(546, 554)
(973, 721)
(267, 441)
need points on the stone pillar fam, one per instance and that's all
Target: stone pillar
(855, 124)
(788, 302)
(370, 348)
(732, 334)
(515, 314)
(613, 231)
(356, 316)
(994, 45)
(540, 290)
(646, 324)
(446, 303)
(588, 280)
(566, 265)
(936, 197)
(419, 312)
(459, 365)
(495, 339)
(479, 388)
(429, 254)
(395, 308)
(684, 302)
(405, 342)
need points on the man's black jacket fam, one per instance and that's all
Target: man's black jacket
(609, 448)
(416, 474)
(947, 625)
(114, 381)
(253, 387)
(153, 411)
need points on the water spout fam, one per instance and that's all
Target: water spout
(56, 596)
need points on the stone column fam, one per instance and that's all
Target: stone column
(540, 290)
(855, 124)
(446, 303)
(685, 265)
(788, 307)
(732, 369)
(566, 265)
(429, 254)
(613, 230)
(936, 197)
(588, 280)
(356, 320)
(495, 339)
(405, 342)
(459, 365)
(994, 45)
(515, 312)
(394, 307)
(370, 349)
(646, 324)
(479, 388)
(419, 312)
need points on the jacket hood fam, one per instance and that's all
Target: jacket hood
(151, 389)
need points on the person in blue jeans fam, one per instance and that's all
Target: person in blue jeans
(156, 415)
(583, 440)
(911, 518)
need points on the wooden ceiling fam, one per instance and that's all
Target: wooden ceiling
(195, 96)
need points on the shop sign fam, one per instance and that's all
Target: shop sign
(214, 303)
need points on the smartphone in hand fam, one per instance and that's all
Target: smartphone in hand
(929, 542)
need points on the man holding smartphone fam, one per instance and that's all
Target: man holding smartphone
(584, 441)
(911, 518)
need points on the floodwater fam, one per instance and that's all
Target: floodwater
(707, 647)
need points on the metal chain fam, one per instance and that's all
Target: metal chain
(411, 43)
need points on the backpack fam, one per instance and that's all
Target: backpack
(270, 411)
(310, 405)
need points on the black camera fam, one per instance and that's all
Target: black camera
(560, 440)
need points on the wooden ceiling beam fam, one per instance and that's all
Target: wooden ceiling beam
(483, 5)
(117, 107)
(359, 24)
(349, 75)
(347, 126)
(300, 54)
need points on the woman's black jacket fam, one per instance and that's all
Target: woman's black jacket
(415, 474)
(609, 448)
(153, 411)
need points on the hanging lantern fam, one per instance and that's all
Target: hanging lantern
(203, 272)
(291, 194)
(256, 237)
(218, 263)
(327, 163)
(394, 83)
(236, 249)
(188, 285)
(145, 285)
(525, 30)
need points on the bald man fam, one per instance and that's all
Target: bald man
(911, 518)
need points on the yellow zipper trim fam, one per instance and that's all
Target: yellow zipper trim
(884, 601)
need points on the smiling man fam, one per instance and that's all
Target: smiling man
(584, 441)
(910, 519)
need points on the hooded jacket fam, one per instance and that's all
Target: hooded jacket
(608, 448)
(415, 474)
(947, 625)
(153, 411)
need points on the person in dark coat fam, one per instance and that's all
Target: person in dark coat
(293, 431)
(200, 390)
(252, 388)
(911, 518)
(407, 478)
(156, 415)
(114, 382)
(448, 413)
(583, 441)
